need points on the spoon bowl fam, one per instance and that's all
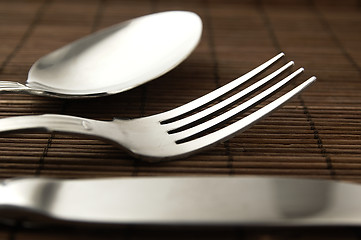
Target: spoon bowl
(114, 59)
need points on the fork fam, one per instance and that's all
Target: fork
(175, 133)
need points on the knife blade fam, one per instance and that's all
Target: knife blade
(248, 201)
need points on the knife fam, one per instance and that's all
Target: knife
(245, 201)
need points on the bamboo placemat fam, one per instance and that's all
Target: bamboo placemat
(316, 134)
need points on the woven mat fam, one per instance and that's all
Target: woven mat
(315, 135)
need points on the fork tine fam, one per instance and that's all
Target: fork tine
(227, 102)
(244, 123)
(240, 108)
(166, 116)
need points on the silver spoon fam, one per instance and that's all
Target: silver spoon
(115, 59)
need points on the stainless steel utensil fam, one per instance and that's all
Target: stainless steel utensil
(249, 201)
(115, 59)
(163, 136)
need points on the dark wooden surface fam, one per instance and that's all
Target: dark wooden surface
(315, 135)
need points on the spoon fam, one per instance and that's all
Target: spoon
(114, 59)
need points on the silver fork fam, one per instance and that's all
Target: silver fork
(172, 134)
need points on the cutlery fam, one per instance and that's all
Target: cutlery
(249, 201)
(171, 134)
(115, 59)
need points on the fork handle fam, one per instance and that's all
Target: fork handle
(58, 123)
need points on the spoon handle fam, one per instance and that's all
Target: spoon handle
(59, 123)
(9, 86)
